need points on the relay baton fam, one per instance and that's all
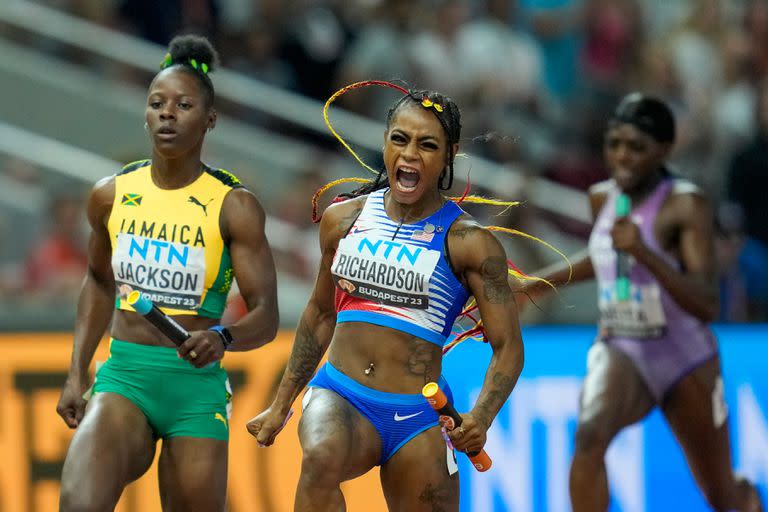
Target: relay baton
(451, 419)
(151, 312)
(623, 208)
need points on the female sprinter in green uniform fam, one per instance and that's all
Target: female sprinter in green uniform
(413, 258)
(179, 231)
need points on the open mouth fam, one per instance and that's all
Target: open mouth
(407, 179)
(166, 131)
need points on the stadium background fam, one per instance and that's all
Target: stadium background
(536, 80)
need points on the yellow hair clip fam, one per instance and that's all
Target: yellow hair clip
(167, 61)
(426, 103)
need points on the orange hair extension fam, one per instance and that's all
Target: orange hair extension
(542, 242)
(477, 328)
(348, 88)
(484, 200)
(324, 188)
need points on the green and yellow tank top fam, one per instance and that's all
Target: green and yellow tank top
(168, 244)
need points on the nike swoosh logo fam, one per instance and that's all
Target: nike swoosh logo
(407, 417)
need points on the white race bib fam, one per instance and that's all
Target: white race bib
(171, 274)
(642, 316)
(385, 271)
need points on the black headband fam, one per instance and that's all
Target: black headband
(649, 115)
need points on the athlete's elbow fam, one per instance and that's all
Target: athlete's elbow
(271, 328)
(706, 310)
(511, 351)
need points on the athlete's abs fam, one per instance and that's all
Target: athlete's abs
(401, 363)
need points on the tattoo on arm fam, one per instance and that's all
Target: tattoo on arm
(495, 285)
(305, 355)
(489, 405)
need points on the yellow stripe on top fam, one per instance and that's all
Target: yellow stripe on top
(168, 244)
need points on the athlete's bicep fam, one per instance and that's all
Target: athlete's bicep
(333, 226)
(99, 242)
(697, 238)
(252, 261)
(486, 273)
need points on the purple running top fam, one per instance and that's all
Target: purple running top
(664, 341)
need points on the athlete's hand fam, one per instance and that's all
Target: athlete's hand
(527, 292)
(626, 236)
(267, 425)
(470, 436)
(71, 406)
(202, 348)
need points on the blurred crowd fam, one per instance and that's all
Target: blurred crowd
(536, 81)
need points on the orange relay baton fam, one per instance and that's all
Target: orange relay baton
(450, 418)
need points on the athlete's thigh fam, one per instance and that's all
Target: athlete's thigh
(336, 436)
(614, 394)
(695, 410)
(112, 447)
(193, 474)
(417, 478)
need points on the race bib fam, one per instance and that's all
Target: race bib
(385, 271)
(171, 274)
(642, 316)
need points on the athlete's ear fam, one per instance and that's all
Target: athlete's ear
(211, 124)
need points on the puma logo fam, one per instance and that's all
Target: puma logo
(221, 418)
(194, 200)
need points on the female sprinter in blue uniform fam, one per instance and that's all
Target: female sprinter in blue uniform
(398, 264)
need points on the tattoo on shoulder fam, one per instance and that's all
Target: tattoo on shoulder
(346, 222)
(463, 231)
(495, 285)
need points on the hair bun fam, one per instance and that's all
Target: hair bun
(186, 48)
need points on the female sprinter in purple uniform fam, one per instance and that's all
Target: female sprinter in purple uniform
(654, 348)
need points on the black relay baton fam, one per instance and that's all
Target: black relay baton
(451, 419)
(151, 312)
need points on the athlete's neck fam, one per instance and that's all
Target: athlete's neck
(410, 213)
(173, 173)
(646, 188)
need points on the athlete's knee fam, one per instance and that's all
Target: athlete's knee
(76, 499)
(322, 462)
(592, 437)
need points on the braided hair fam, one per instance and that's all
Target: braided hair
(445, 110)
(449, 116)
